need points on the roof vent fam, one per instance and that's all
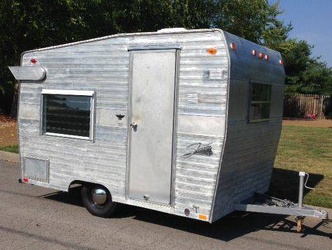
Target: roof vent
(171, 30)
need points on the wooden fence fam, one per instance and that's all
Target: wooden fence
(300, 105)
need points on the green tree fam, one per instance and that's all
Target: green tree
(151, 15)
(305, 73)
(317, 79)
(247, 19)
(27, 25)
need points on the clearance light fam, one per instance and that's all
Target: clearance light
(33, 60)
(260, 55)
(254, 52)
(267, 57)
(26, 180)
(212, 51)
(202, 217)
(281, 62)
(233, 46)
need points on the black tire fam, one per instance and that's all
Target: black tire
(105, 209)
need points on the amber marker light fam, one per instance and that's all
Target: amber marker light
(202, 217)
(260, 55)
(212, 51)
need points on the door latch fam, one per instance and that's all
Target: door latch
(134, 126)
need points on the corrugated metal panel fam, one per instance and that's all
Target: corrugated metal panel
(250, 148)
(102, 65)
(247, 163)
(82, 67)
(196, 175)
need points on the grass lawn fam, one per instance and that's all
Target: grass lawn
(305, 149)
(12, 149)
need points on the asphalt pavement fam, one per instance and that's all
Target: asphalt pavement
(32, 217)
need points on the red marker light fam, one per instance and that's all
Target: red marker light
(26, 180)
(281, 62)
(267, 57)
(260, 55)
(233, 46)
(254, 52)
(33, 60)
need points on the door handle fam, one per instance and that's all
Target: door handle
(134, 126)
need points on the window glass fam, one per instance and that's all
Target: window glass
(260, 102)
(67, 114)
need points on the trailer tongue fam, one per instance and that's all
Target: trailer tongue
(262, 203)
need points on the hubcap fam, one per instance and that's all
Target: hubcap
(99, 196)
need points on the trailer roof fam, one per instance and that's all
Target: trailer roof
(159, 32)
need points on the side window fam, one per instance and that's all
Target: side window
(260, 101)
(68, 113)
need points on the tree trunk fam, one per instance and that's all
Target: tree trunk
(14, 107)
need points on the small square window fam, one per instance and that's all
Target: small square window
(260, 101)
(68, 113)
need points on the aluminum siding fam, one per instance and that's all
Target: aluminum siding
(102, 65)
(250, 148)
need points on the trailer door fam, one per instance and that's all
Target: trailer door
(151, 122)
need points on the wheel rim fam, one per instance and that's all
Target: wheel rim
(99, 196)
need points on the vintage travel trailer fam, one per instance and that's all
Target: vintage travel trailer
(186, 122)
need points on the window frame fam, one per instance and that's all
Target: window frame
(86, 93)
(250, 102)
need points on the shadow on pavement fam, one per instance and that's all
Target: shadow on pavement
(232, 226)
(226, 229)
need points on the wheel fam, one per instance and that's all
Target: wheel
(98, 200)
